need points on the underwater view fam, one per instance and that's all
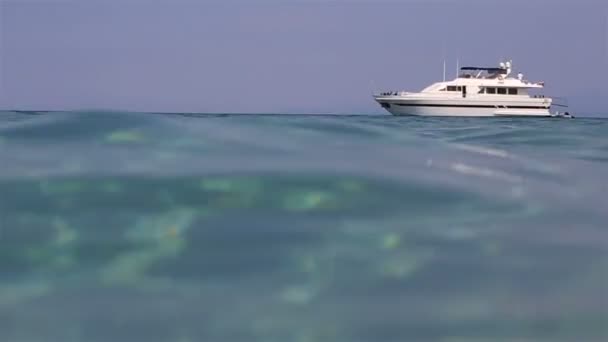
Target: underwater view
(157, 227)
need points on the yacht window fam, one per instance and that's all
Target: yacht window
(502, 91)
(512, 91)
(452, 88)
(481, 91)
(491, 90)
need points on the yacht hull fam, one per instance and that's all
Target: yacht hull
(459, 111)
(466, 109)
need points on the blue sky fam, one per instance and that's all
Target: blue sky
(286, 56)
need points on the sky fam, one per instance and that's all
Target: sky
(271, 56)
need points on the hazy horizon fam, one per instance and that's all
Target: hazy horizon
(286, 57)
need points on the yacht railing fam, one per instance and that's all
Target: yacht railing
(391, 93)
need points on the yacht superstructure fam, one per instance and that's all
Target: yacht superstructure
(476, 91)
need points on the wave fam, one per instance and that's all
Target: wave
(169, 227)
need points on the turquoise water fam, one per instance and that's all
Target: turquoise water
(153, 227)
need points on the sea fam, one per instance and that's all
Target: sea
(128, 227)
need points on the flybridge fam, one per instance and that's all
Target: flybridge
(502, 71)
(492, 70)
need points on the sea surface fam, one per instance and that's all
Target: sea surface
(128, 227)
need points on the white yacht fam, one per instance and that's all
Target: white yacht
(476, 91)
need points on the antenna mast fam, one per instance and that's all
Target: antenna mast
(444, 70)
